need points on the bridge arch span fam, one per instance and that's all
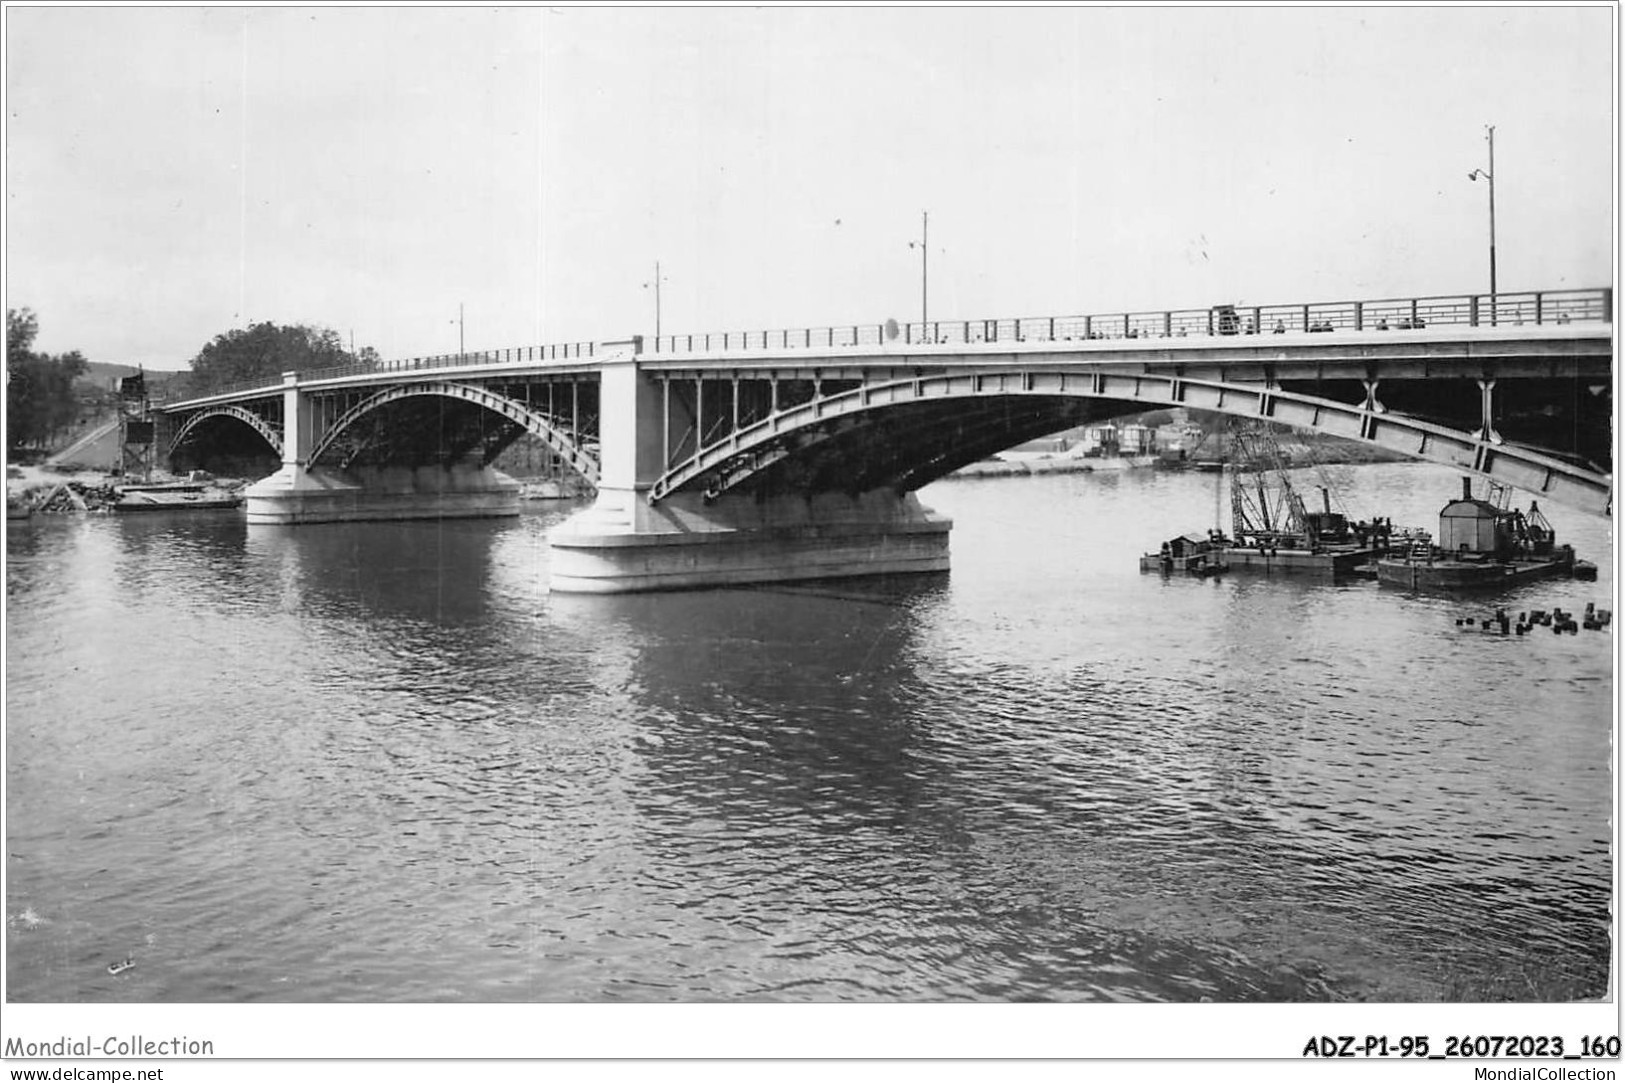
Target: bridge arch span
(558, 439)
(271, 434)
(925, 427)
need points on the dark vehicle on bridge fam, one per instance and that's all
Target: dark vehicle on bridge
(1225, 321)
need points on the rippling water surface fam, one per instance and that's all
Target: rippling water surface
(379, 762)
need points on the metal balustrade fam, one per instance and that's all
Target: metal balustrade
(567, 351)
(510, 356)
(1548, 307)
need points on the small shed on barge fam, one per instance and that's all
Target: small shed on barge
(1186, 546)
(1187, 553)
(1474, 526)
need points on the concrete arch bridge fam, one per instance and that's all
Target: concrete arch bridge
(758, 456)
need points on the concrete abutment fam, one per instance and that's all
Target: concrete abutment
(622, 544)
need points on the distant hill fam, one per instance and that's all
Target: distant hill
(105, 375)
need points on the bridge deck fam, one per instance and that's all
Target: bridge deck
(1414, 353)
(1398, 329)
(1402, 348)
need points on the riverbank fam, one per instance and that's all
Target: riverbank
(559, 488)
(995, 468)
(46, 489)
(1298, 454)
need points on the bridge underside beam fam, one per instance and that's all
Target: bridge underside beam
(1566, 418)
(904, 448)
(908, 432)
(1530, 469)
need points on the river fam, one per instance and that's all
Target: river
(381, 763)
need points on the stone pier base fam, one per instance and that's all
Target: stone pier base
(318, 495)
(621, 544)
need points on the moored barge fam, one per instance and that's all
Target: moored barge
(1188, 554)
(1273, 532)
(174, 496)
(1482, 545)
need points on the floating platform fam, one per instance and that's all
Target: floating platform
(1337, 561)
(1422, 574)
(181, 496)
(1484, 546)
(1188, 554)
(1199, 566)
(1195, 568)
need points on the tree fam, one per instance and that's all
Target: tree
(260, 354)
(40, 397)
(22, 326)
(1156, 419)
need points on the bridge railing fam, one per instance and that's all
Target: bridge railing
(1472, 310)
(512, 355)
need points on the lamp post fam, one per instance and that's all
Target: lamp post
(459, 332)
(1489, 175)
(925, 240)
(656, 285)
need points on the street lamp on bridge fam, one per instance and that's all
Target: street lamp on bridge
(925, 239)
(1489, 175)
(656, 285)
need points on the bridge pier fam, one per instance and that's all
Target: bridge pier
(321, 495)
(619, 546)
(301, 493)
(623, 543)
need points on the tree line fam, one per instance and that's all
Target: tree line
(43, 403)
(261, 353)
(41, 400)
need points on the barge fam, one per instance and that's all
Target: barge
(1483, 545)
(1188, 554)
(174, 496)
(1272, 531)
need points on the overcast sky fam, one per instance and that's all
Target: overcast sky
(174, 173)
